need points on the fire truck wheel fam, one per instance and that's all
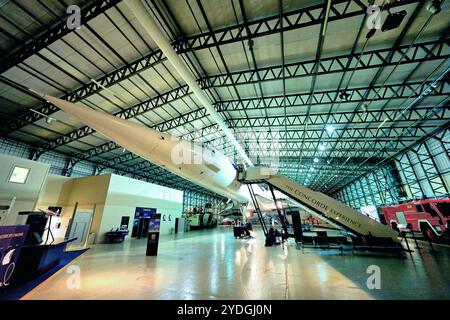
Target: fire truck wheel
(427, 232)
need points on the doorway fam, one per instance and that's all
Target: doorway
(80, 227)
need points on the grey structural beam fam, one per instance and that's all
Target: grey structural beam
(54, 33)
(409, 90)
(342, 182)
(441, 51)
(419, 52)
(334, 64)
(90, 88)
(291, 20)
(273, 122)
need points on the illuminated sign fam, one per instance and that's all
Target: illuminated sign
(322, 207)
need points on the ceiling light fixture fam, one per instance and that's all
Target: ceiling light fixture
(47, 118)
(329, 128)
(344, 96)
(393, 20)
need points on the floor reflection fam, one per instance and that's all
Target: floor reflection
(211, 264)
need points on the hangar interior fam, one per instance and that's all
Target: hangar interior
(344, 98)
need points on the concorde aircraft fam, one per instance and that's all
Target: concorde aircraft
(208, 168)
(213, 170)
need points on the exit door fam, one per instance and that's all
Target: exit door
(80, 227)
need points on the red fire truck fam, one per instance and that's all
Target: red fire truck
(431, 217)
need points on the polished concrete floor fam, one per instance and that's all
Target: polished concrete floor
(211, 264)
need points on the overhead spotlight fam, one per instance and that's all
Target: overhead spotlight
(329, 128)
(427, 91)
(312, 169)
(344, 95)
(322, 147)
(316, 160)
(433, 6)
(393, 20)
(49, 120)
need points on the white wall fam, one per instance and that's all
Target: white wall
(89, 193)
(125, 194)
(26, 194)
(112, 196)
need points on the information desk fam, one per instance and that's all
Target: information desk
(34, 260)
(116, 236)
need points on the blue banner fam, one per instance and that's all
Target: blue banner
(144, 212)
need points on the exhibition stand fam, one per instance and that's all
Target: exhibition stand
(28, 256)
(38, 259)
(117, 236)
(153, 234)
